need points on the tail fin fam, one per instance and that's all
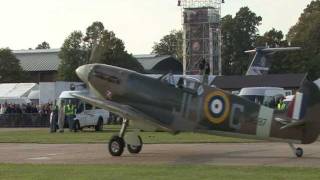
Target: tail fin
(260, 64)
(311, 96)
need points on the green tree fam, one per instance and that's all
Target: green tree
(43, 45)
(170, 44)
(238, 34)
(10, 69)
(93, 34)
(111, 50)
(97, 46)
(227, 31)
(306, 26)
(72, 55)
(305, 33)
(272, 38)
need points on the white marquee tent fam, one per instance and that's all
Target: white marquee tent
(16, 93)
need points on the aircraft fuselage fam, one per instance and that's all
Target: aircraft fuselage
(196, 108)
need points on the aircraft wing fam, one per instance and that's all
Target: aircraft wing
(140, 119)
(274, 49)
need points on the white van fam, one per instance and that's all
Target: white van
(267, 96)
(86, 115)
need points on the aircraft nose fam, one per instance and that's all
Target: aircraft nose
(83, 72)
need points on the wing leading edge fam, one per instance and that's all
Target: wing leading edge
(139, 119)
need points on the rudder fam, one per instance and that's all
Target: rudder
(311, 96)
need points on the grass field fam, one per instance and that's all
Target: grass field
(28, 171)
(89, 136)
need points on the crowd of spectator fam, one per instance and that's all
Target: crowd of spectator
(29, 108)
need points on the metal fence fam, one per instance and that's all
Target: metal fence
(23, 120)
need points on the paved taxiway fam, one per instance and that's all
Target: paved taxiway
(271, 154)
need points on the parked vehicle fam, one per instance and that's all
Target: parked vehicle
(86, 114)
(267, 96)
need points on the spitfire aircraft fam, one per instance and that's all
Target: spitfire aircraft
(150, 104)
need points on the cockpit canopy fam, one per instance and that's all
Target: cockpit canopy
(187, 83)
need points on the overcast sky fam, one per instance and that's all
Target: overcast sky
(139, 23)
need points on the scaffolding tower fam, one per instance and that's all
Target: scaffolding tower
(201, 35)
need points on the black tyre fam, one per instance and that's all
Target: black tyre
(135, 149)
(99, 126)
(299, 152)
(77, 126)
(116, 145)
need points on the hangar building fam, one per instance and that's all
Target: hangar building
(43, 64)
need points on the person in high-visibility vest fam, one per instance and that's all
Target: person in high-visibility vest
(74, 112)
(70, 114)
(281, 105)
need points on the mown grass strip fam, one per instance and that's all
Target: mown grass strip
(141, 172)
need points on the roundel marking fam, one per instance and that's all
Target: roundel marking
(216, 107)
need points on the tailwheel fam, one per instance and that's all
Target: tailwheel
(299, 152)
(116, 145)
(135, 149)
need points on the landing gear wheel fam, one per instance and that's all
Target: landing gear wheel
(77, 126)
(99, 126)
(299, 152)
(116, 145)
(135, 149)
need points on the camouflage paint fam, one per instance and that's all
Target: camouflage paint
(212, 111)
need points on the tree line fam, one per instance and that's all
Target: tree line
(98, 45)
(239, 33)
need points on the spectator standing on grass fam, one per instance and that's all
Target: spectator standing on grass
(61, 117)
(54, 119)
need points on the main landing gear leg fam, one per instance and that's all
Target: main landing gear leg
(124, 126)
(116, 144)
(296, 151)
